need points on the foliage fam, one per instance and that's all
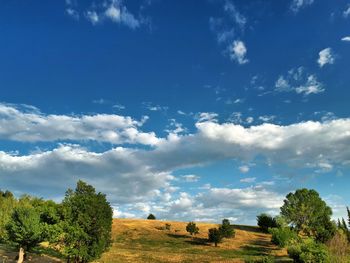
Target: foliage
(338, 247)
(226, 229)
(25, 229)
(7, 204)
(265, 222)
(167, 226)
(265, 259)
(309, 251)
(151, 217)
(308, 214)
(192, 228)
(87, 223)
(215, 236)
(283, 236)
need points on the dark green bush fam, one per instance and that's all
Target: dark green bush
(226, 229)
(283, 236)
(265, 222)
(151, 217)
(309, 251)
(266, 259)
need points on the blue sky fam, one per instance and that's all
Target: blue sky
(189, 111)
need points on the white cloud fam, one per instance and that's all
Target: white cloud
(267, 118)
(23, 124)
(347, 39)
(73, 13)
(326, 56)
(244, 169)
(248, 180)
(206, 116)
(232, 11)
(238, 52)
(299, 4)
(312, 86)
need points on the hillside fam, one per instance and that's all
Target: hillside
(136, 240)
(147, 241)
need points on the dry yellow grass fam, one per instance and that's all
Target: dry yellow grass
(147, 241)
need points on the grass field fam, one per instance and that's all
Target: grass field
(148, 241)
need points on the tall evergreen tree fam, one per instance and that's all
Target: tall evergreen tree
(87, 223)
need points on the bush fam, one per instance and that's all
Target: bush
(338, 247)
(192, 228)
(283, 236)
(265, 222)
(265, 259)
(151, 217)
(167, 226)
(226, 229)
(214, 236)
(309, 252)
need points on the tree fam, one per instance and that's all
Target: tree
(151, 217)
(347, 209)
(266, 221)
(87, 223)
(24, 229)
(214, 236)
(308, 214)
(192, 228)
(226, 229)
(7, 205)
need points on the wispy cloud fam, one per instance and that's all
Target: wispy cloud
(296, 5)
(297, 80)
(346, 12)
(347, 38)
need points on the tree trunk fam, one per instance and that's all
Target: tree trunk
(20, 255)
(216, 244)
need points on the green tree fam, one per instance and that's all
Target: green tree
(151, 217)
(214, 236)
(347, 209)
(7, 205)
(24, 229)
(192, 228)
(308, 214)
(226, 229)
(87, 223)
(265, 222)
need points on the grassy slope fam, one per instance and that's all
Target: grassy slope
(143, 241)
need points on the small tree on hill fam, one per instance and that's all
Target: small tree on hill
(266, 221)
(151, 217)
(24, 229)
(192, 228)
(214, 236)
(226, 229)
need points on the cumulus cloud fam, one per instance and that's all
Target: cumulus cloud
(326, 56)
(23, 124)
(347, 39)
(244, 169)
(238, 52)
(299, 81)
(296, 5)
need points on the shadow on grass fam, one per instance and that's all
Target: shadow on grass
(254, 229)
(198, 241)
(177, 236)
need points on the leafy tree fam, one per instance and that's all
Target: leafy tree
(266, 221)
(7, 205)
(215, 236)
(308, 214)
(151, 217)
(347, 209)
(87, 223)
(24, 229)
(226, 229)
(192, 228)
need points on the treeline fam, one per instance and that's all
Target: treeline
(79, 227)
(305, 228)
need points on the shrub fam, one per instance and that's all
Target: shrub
(283, 236)
(167, 226)
(265, 259)
(226, 229)
(309, 252)
(265, 222)
(151, 217)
